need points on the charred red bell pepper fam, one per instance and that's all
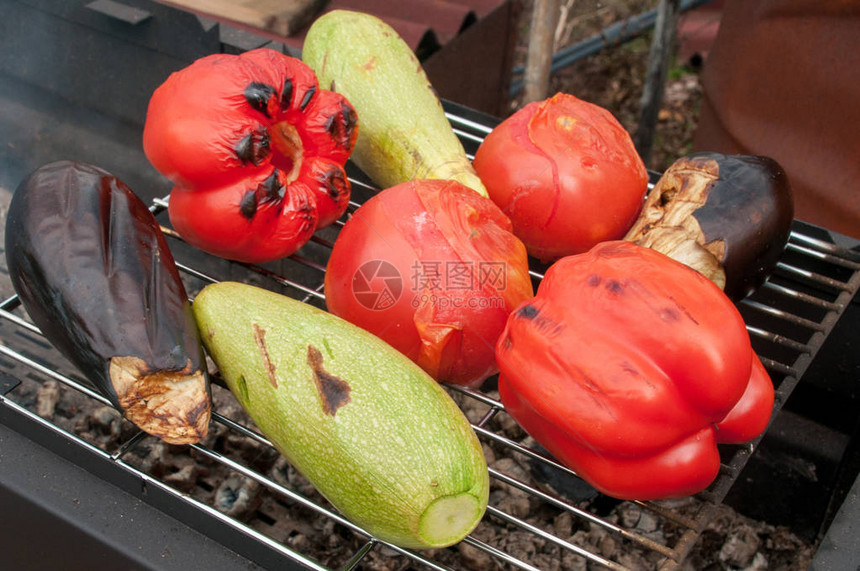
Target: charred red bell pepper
(630, 367)
(256, 151)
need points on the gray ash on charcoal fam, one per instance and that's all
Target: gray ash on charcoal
(730, 541)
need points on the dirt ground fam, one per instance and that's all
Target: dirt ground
(614, 77)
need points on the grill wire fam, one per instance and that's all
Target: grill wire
(788, 319)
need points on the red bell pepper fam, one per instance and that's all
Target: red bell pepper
(629, 368)
(256, 151)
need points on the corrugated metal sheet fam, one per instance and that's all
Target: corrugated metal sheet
(466, 46)
(426, 25)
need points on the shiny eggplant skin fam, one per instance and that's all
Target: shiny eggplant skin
(92, 268)
(727, 216)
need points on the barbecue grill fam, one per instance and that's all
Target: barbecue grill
(232, 502)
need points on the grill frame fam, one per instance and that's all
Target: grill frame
(809, 281)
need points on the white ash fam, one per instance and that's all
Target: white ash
(730, 541)
(47, 398)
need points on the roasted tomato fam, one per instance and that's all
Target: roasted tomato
(566, 173)
(432, 268)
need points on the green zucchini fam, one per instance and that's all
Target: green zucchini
(403, 131)
(376, 436)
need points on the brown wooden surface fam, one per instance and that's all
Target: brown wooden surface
(279, 17)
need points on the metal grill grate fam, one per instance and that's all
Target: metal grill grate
(788, 319)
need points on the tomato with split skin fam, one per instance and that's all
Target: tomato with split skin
(433, 269)
(566, 173)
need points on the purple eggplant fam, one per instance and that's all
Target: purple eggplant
(92, 268)
(727, 216)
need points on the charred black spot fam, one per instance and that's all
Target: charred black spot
(260, 340)
(670, 314)
(679, 311)
(271, 188)
(350, 117)
(540, 321)
(203, 409)
(333, 391)
(527, 312)
(309, 94)
(593, 280)
(248, 205)
(614, 286)
(341, 125)
(258, 95)
(307, 211)
(287, 93)
(245, 148)
(254, 147)
(335, 183)
(667, 196)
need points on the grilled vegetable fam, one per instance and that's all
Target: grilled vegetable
(256, 151)
(92, 269)
(630, 367)
(434, 270)
(404, 132)
(726, 216)
(381, 440)
(566, 173)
